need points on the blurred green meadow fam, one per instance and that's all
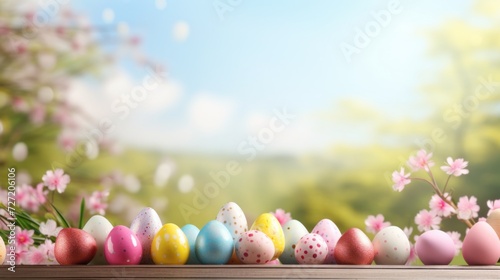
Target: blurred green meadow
(458, 101)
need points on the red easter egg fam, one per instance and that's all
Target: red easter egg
(74, 246)
(354, 247)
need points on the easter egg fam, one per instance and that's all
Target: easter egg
(481, 245)
(3, 251)
(74, 246)
(122, 247)
(170, 246)
(99, 227)
(293, 230)
(354, 247)
(254, 247)
(391, 246)
(494, 220)
(311, 249)
(269, 225)
(233, 219)
(435, 247)
(214, 244)
(191, 232)
(145, 226)
(329, 231)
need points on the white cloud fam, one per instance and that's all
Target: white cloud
(209, 113)
(164, 96)
(181, 31)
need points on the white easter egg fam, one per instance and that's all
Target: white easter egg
(99, 227)
(391, 246)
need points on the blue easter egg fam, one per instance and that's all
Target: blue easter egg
(191, 232)
(214, 244)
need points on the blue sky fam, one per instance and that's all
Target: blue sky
(265, 55)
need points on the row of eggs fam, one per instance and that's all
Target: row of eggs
(227, 239)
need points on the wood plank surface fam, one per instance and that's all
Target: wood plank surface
(251, 272)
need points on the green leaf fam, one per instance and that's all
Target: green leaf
(82, 209)
(60, 217)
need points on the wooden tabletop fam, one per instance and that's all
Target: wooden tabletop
(251, 272)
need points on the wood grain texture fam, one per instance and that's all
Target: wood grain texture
(251, 272)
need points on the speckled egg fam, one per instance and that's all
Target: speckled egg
(311, 249)
(329, 231)
(254, 247)
(391, 246)
(293, 230)
(122, 247)
(170, 245)
(269, 225)
(233, 218)
(145, 225)
(214, 244)
(99, 227)
(191, 232)
(435, 247)
(3, 251)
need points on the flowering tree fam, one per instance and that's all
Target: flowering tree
(41, 54)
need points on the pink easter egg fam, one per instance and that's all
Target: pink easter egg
(329, 231)
(254, 247)
(122, 247)
(481, 245)
(311, 249)
(435, 247)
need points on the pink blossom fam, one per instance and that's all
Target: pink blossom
(282, 216)
(427, 220)
(96, 202)
(37, 114)
(400, 179)
(49, 228)
(43, 254)
(455, 236)
(440, 207)
(408, 231)
(28, 198)
(421, 161)
(67, 141)
(493, 205)
(375, 224)
(24, 238)
(413, 255)
(467, 208)
(56, 180)
(455, 167)
(35, 256)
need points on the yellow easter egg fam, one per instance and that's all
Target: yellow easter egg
(170, 246)
(269, 225)
(3, 251)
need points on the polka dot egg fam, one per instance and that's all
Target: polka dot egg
(311, 249)
(254, 247)
(391, 246)
(233, 218)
